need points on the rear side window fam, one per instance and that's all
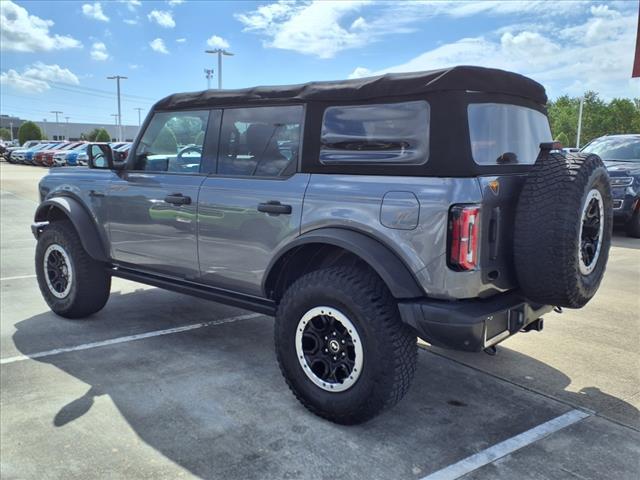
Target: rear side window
(506, 134)
(260, 141)
(390, 133)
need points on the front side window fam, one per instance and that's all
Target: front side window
(173, 142)
(392, 133)
(503, 134)
(260, 141)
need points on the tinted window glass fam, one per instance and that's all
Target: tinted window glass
(173, 142)
(394, 133)
(506, 134)
(625, 149)
(261, 141)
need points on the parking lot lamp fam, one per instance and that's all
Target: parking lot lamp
(117, 78)
(66, 128)
(220, 52)
(579, 122)
(56, 113)
(139, 110)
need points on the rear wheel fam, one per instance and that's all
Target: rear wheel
(341, 345)
(73, 284)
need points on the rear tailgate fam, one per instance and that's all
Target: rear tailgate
(499, 200)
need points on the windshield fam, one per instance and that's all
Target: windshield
(503, 134)
(623, 149)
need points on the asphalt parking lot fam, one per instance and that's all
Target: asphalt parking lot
(160, 385)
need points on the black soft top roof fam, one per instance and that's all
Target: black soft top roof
(461, 78)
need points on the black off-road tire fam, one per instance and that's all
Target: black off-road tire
(389, 346)
(548, 227)
(90, 282)
(633, 225)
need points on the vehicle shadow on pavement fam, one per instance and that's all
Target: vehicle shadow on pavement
(213, 401)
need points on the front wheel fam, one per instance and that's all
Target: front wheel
(341, 345)
(73, 284)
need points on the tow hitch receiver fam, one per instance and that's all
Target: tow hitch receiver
(536, 325)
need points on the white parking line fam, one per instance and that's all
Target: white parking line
(17, 278)
(502, 449)
(128, 338)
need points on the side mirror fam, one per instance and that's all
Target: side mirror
(101, 156)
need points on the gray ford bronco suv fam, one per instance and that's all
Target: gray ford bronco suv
(361, 214)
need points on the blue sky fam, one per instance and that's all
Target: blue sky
(56, 55)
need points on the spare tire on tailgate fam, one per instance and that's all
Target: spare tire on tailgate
(563, 229)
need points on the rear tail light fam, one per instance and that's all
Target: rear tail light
(464, 235)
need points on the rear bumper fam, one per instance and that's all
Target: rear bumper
(470, 325)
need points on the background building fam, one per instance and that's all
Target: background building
(69, 131)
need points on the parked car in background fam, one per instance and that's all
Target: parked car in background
(69, 157)
(11, 151)
(39, 157)
(47, 159)
(621, 155)
(21, 155)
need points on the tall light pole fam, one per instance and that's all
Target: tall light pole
(116, 122)
(208, 73)
(579, 122)
(44, 127)
(139, 110)
(220, 52)
(117, 78)
(56, 113)
(66, 128)
(11, 130)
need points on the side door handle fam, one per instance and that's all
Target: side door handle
(274, 207)
(177, 199)
(95, 193)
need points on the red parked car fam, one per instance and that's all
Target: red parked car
(45, 157)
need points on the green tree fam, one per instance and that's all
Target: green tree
(29, 131)
(563, 139)
(98, 135)
(5, 134)
(599, 118)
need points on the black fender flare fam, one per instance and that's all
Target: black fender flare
(82, 221)
(387, 264)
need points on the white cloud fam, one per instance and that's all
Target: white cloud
(181, 40)
(217, 42)
(130, 21)
(99, 52)
(162, 18)
(159, 46)
(134, 66)
(21, 32)
(594, 54)
(324, 28)
(94, 11)
(360, 72)
(35, 78)
(296, 27)
(131, 4)
(173, 3)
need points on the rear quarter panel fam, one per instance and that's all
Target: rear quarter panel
(354, 202)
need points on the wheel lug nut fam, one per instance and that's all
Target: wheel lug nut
(343, 342)
(326, 351)
(326, 338)
(343, 354)
(335, 358)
